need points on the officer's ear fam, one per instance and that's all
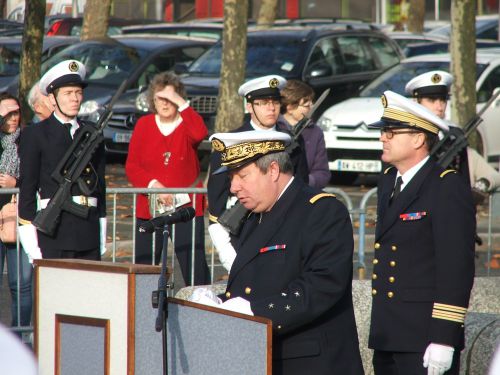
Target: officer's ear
(419, 140)
(274, 170)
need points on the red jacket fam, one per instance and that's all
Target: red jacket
(146, 157)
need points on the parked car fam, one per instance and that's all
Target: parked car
(73, 25)
(417, 49)
(10, 55)
(323, 56)
(110, 61)
(353, 148)
(194, 29)
(486, 28)
(404, 38)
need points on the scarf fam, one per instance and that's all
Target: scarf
(9, 161)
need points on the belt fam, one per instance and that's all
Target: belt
(78, 199)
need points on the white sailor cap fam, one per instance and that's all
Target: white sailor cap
(65, 73)
(401, 112)
(240, 148)
(431, 84)
(262, 87)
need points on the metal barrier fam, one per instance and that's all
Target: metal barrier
(114, 194)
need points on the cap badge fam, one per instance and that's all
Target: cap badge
(384, 101)
(436, 78)
(73, 67)
(218, 145)
(273, 83)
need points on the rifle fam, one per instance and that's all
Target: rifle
(454, 142)
(70, 168)
(233, 218)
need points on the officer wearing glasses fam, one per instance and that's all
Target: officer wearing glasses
(263, 100)
(423, 267)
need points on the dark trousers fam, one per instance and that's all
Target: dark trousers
(402, 363)
(92, 254)
(182, 246)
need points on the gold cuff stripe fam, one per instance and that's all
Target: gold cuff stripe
(449, 316)
(24, 222)
(446, 172)
(451, 308)
(212, 218)
(412, 120)
(388, 169)
(319, 196)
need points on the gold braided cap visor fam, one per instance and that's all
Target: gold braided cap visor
(237, 155)
(412, 120)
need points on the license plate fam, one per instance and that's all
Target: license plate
(122, 137)
(351, 165)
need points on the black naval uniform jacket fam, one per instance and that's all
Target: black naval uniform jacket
(295, 268)
(218, 185)
(42, 147)
(423, 267)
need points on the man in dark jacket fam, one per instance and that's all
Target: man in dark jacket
(41, 149)
(424, 249)
(294, 258)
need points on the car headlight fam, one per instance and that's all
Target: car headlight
(326, 124)
(142, 102)
(91, 110)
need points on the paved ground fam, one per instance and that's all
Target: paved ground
(115, 178)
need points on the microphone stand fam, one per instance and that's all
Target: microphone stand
(159, 299)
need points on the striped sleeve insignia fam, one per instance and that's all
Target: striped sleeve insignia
(24, 222)
(319, 196)
(449, 312)
(388, 169)
(446, 172)
(212, 218)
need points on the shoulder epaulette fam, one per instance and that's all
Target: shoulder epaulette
(446, 172)
(388, 169)
(212, 218)
(319, 196)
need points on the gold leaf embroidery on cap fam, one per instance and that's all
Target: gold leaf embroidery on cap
(218, 145)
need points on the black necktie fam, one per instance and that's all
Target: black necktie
(397, 189)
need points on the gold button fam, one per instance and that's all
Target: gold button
(390, 294)
(88, 182)
(374, 292)
(279, 327)
(394, 247)
(87, 170)
(374, 276)
(228, 294)
(375, 261)
(377, 246)
(392, 263)
(248, 290)
(391, 279)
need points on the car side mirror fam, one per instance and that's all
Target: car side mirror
(180, 68)
(319, 70)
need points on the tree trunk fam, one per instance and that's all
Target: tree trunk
(2, 8)
(232, 74)
(31, 56)
(463, 62)
(267, 13)
(96, 19)
(416, 16)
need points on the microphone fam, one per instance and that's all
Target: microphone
(184, 214)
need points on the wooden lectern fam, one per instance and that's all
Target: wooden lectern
(96, 318)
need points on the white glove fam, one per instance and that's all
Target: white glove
(29, 241)
(438, 358)
(205, 296)
(222, 242)
(102, 234)
(238, 304)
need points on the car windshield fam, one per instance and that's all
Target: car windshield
(396, 77)
(9, 60)
(264, 56)
(106, 64)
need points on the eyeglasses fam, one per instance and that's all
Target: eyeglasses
(391, 132)
(265, 103)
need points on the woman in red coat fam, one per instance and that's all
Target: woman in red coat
(163, 153)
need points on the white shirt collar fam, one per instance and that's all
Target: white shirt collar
(73, 122)
(410, 173)
(255, 127)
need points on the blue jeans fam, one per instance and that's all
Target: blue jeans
(9, 252)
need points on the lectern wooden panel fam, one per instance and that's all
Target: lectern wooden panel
(96, 318)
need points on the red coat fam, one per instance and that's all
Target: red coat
(146, 157)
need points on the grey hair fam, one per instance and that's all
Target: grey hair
(34, 95)
(282, 158)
